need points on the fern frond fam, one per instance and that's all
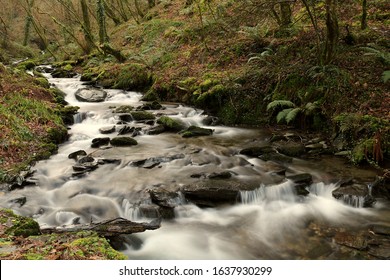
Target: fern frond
(386, 76)
(279, 103)
(283, 114)
(291, 115)
(254, 58)
(310, 107)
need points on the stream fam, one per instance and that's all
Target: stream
(268, 221)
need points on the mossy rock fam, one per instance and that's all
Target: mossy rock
(123, 141)
(133, 77)
(42, 82)
(123, 109)
(195, 131)
(142, 115)
(26, 65)
(20, 226)
(171, 124)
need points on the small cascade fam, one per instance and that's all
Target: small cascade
(79, 117)
(131, 211)
(353, 200)
(280, 192)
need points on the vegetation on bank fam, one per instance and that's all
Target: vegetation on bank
(318, 66)
(31, 120)
(21, 239)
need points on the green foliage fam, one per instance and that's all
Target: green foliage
(386, 76)
(277, 104)
(381, 56)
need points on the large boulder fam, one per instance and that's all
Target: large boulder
(355, 194)
(171, 124)
(90, 95)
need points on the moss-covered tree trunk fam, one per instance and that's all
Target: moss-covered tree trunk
(3, 33)
(87, 26)
(332, 31)
(151, 3)
(285, 14)
(101, 18)
(364, 24)
(28, 22)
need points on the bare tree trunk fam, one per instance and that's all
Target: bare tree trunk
(138, 8)
(364, 24)
(4, 33)
(107, 228)
(317, 30)
(111, 14)
(332, 28)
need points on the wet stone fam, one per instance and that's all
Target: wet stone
(156, 130)
(257, 151)
(20, 201)
(77, 154)
(195, 131)
(90, 95)
(98, 142)
(107, 130)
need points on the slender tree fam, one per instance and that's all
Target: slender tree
(101, 17)
(28, 21)
(332, 30)
(364, 24)
(87, 26)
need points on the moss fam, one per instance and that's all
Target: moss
(42, 82)
(123, 141)
(94, 245)
(57, 134)
(171, 124)
(26, 65)
(133, 77)
(123, 109)
(142, 115)
(23, 226)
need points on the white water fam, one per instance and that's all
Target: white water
(270, 222)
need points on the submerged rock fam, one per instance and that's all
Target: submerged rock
(90, 95)
(195, 131)
(257, 151)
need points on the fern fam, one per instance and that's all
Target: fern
(386, 76)
(292, 114)
(279, 103)
(283, 114)
(382, 56)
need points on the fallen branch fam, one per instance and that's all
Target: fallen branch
(107, 228)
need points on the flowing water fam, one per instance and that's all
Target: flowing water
(269, 222)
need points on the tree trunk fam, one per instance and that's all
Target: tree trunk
(332, 31)
(364, 15)
(107, 228)
(285, 14)
(151, 3)
(87, 26)
(111, 14)
(101, 16)
(27, 26)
